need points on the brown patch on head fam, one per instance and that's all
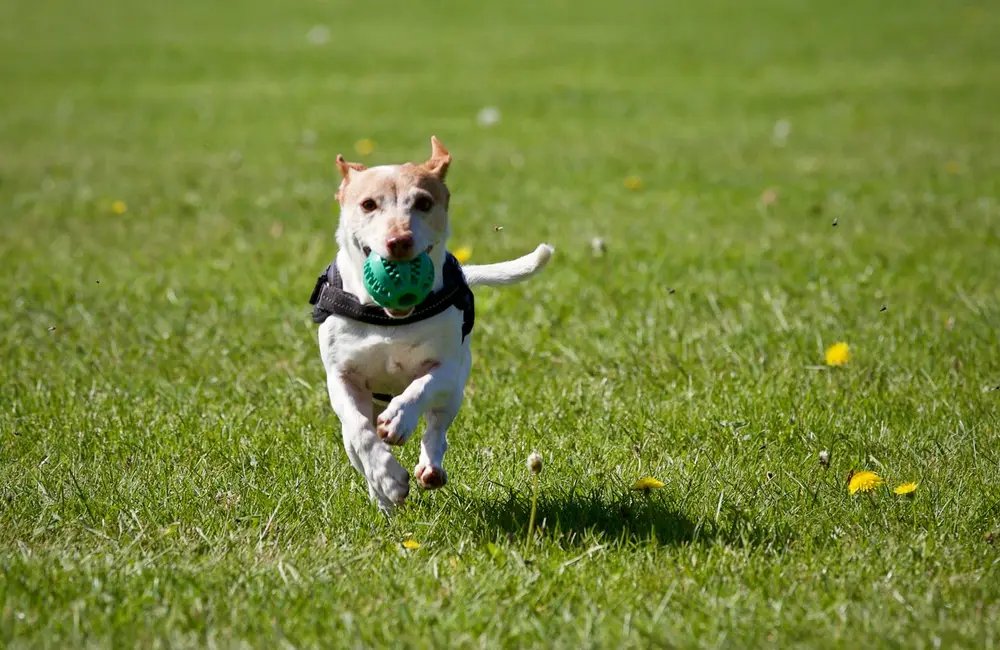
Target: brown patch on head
(410, 176)
(419, 176)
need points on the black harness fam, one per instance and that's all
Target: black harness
(329, 297)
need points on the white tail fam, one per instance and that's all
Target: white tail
(510, 272)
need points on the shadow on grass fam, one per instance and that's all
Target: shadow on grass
(583, 518)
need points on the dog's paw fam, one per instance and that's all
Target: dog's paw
(388, 480)
(430, 477)
(397, 422)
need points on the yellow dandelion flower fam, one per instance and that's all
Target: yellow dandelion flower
(119, 207)
(838, 354)
(863, 482)
(633, 183)
(906, 489)
(952, 167)
(463, 254)
(647, 483)
(411, 544)
(364, 146)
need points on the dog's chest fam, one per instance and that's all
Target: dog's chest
(387, 359)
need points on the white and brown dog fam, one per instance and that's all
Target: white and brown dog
(385, 368)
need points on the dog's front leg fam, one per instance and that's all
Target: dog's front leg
(438, 393)
(429, 471)
(388, 482)
(399, 419)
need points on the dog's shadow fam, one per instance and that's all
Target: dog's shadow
(599, 515)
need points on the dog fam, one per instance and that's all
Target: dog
(387, 367)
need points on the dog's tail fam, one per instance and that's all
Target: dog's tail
(510, 272)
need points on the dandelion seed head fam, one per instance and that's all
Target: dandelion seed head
(318, 35)
(535, 463)
(488, 116)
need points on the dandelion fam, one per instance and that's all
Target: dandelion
(364, 146)
(633, 183)
(488, 116)
(647, 483)
(535, 467)
(838, 354)
(769, 196)
(119, 207)
(318, 35)
(597, 246)
(411, 544)
(782, 129)
(906, 489)
(863, 481)
(463, 254)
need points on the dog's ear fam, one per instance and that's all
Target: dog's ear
(347, 167)
(440, 159)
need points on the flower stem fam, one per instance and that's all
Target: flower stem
(534, 504)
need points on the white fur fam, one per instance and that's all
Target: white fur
(424, 364)
(362, 359)
(509, 272)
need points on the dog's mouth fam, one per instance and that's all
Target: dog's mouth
(392, 313)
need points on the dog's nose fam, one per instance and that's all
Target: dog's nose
(400, 246)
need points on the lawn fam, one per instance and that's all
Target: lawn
(768, 178)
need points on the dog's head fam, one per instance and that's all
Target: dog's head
(398, 211)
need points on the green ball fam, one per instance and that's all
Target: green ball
(399, 285)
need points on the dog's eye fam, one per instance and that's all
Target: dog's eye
(423, 204)
(368, 205)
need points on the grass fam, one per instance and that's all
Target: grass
(171, 473)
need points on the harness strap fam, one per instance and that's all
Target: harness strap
(328, 298)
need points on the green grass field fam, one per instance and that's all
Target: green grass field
(171, 472)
